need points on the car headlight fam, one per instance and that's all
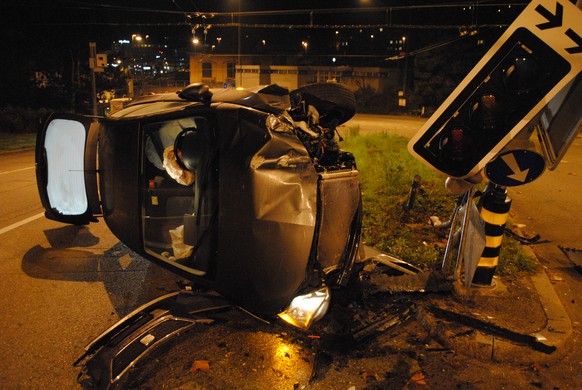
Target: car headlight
(304, 310)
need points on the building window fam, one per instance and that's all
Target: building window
(207, 70)
(230, 70)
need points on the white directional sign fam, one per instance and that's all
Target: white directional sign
(515, 167)
(537, 58)
(560, 29)
(517, 173)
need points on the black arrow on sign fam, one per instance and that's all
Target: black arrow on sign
(554, 20)
(577, 39)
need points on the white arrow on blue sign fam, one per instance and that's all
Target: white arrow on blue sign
(515, 167)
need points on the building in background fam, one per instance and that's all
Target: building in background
(231, 70)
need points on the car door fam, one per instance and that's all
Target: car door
(66, 168)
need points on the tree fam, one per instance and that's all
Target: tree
(438, 71)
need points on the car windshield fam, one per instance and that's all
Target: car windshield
(174, 198)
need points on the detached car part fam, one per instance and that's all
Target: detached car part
(118, 349)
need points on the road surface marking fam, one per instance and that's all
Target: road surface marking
(20, 223)
(16, 170)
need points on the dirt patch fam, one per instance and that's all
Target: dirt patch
(513, 304)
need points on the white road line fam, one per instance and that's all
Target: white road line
(20, 223)
(16, 170)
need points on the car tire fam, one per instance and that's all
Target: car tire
(333, 101)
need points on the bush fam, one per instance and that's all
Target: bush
(370, 101)
(21, 119)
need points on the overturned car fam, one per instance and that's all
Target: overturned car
(245, 192)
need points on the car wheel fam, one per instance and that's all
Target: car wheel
(334, 102)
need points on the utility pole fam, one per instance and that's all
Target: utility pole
(92, 57)
(405, 77)
(239, 84)
(97, 63)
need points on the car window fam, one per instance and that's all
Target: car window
(171, 194)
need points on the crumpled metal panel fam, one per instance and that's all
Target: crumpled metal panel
(283, 181)
(268, 211)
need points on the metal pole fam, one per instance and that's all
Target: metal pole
(495, 206)
(405, 78)
(94, 92)
(92, 65)
(239, 84)
(412, 194)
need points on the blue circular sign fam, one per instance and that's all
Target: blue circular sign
(515, 167)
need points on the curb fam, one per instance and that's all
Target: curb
(558, 329)
(487, 347)
(18, 150)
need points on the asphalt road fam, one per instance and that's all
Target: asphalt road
(405, 126)
(552, 204)
(61, 285)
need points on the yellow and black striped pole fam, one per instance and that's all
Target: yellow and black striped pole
(495, 206)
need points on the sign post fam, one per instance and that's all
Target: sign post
(97, 63)
(92, 55)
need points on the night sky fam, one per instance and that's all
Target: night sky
(44, 34)
(60, 24)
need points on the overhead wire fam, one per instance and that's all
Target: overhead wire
(282, 26)
(91, 5)
(304, 11)
(191, 16)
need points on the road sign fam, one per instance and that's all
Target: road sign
(101, 60)
(515, 167)
(536, 59)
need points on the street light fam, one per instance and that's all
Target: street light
(136, 38)
(195, 43)
(305, 44)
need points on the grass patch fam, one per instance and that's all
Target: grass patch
(386, 173)
(15, 141)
